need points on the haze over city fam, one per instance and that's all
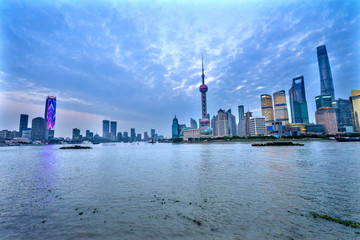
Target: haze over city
(139, 63)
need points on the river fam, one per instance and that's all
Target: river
(180, 191)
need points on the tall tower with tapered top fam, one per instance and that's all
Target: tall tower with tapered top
(203, 89)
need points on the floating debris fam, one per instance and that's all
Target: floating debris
(343, 222)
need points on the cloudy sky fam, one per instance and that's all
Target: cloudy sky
(139, 62)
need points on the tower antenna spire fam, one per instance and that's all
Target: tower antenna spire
(202, 75)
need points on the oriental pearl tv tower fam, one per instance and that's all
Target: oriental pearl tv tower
(203, 89)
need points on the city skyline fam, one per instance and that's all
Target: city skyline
(142, 80)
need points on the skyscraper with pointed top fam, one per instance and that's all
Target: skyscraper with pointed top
(203, 89)
(326, 80)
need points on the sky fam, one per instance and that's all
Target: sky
(139, 62)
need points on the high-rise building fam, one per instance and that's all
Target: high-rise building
(175, 128)
(193, 123)
(298, 104)
(231, 123)
(343, 114)
(203, 89)
(146, 136)
(241, 112)
(257, 126)
(281, 111)
(24, 118)
(138, 137)
(106, 128)
(326, 116)
(221, 124)
(132, 134)
(326, 80)
(119, 137)
(152, 132)
(267, 109)
(87, 133)
(323, 101)
(247, 117)
(113, 129)
(355, 105)
(38, 129)
(76, 134)
(125, 137)
(50, 114)
(213, 125)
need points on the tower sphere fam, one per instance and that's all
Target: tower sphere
(203, 88)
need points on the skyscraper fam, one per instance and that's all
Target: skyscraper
(23, 123)
(106, 128)
(246, 120)
(326, 81)
(38, 129)
(232, 123)
(132, 134)
(152, 132)
(175, 128)
(203, 89)
(50, 114)
(87, 134)
(241, 112)
(326, 116)
(298, 104)
(281, 111)
(323, 101)
(221, 124)
(119, 137)
(193, 123)
(355, 105)
(113, 129)
(213, 125)
(343, 114)
(76, 134)
(267, 109)
(125, 137)
(146, 136)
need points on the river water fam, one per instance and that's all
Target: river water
(179, 191)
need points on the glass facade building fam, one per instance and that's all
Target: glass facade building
(24, 119)
(323, 101)
(281, 111)
(193, 123)
(231, 122)
(343, 114)
(76, 134)
(326, 80)
(38, 129)
(267, 109)
(241, 112)
(113, 129)
(106, 128)
(50, 114)
(298, 104)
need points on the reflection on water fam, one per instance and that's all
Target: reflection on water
(195, 191)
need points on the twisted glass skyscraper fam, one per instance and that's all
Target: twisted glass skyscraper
(298, 104)
(326, 81)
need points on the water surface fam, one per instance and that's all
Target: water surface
(179, 191)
